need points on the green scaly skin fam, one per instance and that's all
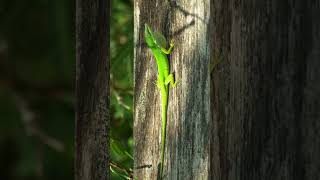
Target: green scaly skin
(157, 47)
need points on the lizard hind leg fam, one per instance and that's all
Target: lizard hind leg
(170, 79)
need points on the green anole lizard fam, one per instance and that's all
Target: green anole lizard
(156, 42)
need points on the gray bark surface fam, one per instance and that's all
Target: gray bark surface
(188, 127)
(92, 90)
(265, 92)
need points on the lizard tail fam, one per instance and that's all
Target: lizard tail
(164, 104)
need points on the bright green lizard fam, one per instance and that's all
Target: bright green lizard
(157, 43)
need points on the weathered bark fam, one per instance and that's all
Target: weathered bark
(265, 93)
(92, 90)
(187, 150)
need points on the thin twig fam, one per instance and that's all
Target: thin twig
(28, 118)
(121, 168)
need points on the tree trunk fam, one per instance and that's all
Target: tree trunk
(92, 90)
(188, 127)
(265, 94)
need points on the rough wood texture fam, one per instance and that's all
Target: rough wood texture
(92, 90)
(265, 94)
(187, 152)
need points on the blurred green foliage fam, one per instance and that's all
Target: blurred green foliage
(37, 69)
(121, 49)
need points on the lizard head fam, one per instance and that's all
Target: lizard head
(148, 35)
(153, 39)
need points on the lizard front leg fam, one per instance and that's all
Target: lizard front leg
(170, 48)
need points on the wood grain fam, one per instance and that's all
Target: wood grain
(188, 130)
(265, 94)
(92, 90)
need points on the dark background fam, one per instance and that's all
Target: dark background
(37, 80)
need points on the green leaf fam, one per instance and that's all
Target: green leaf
(128, 154)
(119, 149)
(119, 174)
